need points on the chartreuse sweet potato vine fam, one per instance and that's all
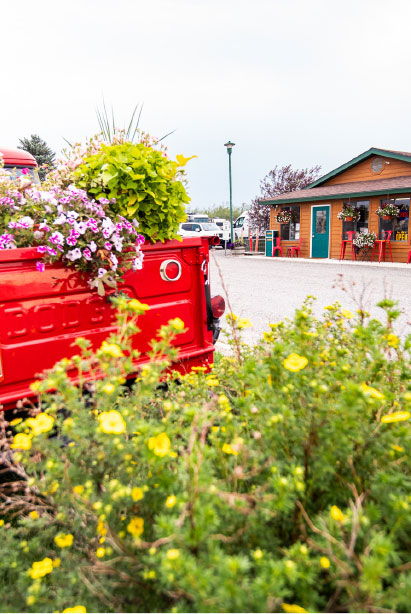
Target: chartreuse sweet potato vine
(278, 482)
(144, 182)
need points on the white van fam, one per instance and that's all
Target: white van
(242, 225)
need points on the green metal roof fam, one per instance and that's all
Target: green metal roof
(373, 151)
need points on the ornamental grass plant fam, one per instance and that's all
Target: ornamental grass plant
(277, 482)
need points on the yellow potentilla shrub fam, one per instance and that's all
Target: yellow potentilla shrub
(39, 569)
(21, 441)
(64, 541)
(160, 445)
(112, 422)
(111, 349)
(295, 362)
(136, 526)
(77, 609)
(42, 423)
(397, 416)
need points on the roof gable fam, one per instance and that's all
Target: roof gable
(387, 153)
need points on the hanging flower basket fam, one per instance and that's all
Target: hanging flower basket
(387, 212)
(348, 214)
(284, 217)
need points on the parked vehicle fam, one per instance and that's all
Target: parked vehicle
(200, 229)
(15, 160)
(224, 225)
(43, 313)
(197, 217)
(241, 225)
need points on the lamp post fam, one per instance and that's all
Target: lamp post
(230, 146)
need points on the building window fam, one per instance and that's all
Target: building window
(291, 231)
(361, 225)
(398, 225)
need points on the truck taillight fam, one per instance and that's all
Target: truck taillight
(217, 306)
(170, 270)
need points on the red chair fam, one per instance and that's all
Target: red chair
(351, 235)
(409, 257)
(277, 246)
(295, 249)
(381, 245)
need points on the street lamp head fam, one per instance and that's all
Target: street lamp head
(229, 146)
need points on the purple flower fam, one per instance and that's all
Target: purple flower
(42, 249)
(40, 266)
(25, 171)
(108, 245)
(87, 254)
(74, 254)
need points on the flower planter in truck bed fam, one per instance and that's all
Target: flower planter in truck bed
(43, 313)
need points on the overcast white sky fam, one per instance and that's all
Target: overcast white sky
(296, 81)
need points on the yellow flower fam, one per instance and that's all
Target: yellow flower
(30, 600)
(171, 501)
(397, 448)
(56, 562)
(160, 445)
(295, 363)
(100, 552)
(177, 324)
(79, 489)
(34, 515)
(108, 388)
(16, 421)
(243, 323)
(42, 423)
(112, 422)
(138, 307)
(392, 340)
(111, 349)
(347, 314)
(64, 541)
(292, 607)
(77, 609)
(137, 493)
(258, 554)
(228, 449)
(136, 526)
(234, 447)
(324, 562)
(1, 522)
(173, 554)
(35, 386)
(371, 392)
(39, 569)
(21, 442)
(397, 416)
(212, 381)
(101, 528)
(336, 514)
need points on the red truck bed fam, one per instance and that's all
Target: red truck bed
(41, 314)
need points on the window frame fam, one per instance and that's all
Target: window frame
(394, 221)
(353, 226)
(293, 208)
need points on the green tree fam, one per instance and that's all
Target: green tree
(222, 211)
(38, 148)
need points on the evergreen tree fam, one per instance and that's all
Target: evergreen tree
(39, 149)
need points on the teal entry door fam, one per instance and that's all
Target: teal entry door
(320, 231)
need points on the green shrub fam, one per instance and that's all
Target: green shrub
(144, 183)
(278, 482)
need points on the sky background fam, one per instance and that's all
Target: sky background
(290, 82)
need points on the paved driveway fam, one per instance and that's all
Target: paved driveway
(270, 289)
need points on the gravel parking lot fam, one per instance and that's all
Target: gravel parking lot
(269, 289)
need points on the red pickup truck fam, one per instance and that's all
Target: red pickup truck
(42, 313)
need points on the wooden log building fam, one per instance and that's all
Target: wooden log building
(372, 179)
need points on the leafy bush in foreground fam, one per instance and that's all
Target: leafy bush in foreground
(278, 482)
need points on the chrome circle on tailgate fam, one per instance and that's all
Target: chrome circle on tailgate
(163, 270)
